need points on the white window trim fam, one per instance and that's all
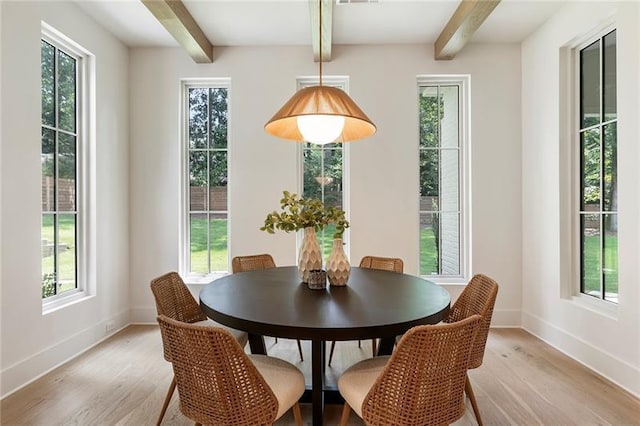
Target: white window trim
(183, 179)
(570, 177)
(464, 176)
(342, 82)
(86, 178)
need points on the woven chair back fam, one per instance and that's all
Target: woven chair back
(392, 264)
(423, 381)
(174, 300)
(252, 263)
(217, 382)
(478, 297)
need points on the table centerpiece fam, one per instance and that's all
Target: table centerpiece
(311, 215)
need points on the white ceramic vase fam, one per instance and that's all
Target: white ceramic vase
(309, 257)
(338, 268)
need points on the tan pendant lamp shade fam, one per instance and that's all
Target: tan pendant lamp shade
(320, 100)
(320, 114)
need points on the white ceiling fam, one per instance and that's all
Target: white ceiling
(286, 22)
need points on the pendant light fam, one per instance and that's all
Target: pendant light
(320, 114)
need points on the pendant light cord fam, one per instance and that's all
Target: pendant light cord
(320, 40)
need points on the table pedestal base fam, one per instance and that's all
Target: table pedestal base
(317, 381)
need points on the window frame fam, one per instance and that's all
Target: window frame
(463, 82)
(85, 171)
(597, 303)
(341, 82)
(184, 266)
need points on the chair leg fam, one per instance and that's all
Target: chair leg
(359, 346)
(472, 398)
(333, 346)
(374, 346)
(300, 350)
(297, 415)
(346, 410)
(167, 399)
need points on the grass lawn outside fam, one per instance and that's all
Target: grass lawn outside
(66, 250)
(218, 253)
(428, 251)
(592, 269)
(200, 254)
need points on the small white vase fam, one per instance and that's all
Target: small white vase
(338, 268)
(309, 257)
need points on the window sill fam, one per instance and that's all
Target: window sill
(598, 306)
(453, 281)
(203, 279)
(50, 306)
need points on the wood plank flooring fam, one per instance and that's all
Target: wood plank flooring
(123, 381)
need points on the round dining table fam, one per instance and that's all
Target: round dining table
(274, 302)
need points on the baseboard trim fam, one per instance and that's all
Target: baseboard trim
(22, 373)
(612, 368)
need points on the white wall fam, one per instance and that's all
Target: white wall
(384, 168)
(608, 342)
(137, 181)
(33, 343)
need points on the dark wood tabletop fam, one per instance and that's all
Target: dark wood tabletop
(274, 302)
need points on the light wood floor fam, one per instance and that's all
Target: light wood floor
(123, 381)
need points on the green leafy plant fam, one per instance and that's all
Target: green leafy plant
(298, 213)
(48, 285)
(337, 217)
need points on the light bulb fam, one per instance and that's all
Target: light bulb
(320, 129)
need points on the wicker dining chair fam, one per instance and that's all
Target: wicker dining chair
(392, 264)
(174, 300)
(421, 383)
(219, 384)
(478, 297)
(254, 262)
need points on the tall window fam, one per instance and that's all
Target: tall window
(207, 208)
(598, 205)
(441, 162)
(63, 66)
(322, 169)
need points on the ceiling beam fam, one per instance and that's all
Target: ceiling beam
(327, 28)
(175, 17)
(464, 22)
